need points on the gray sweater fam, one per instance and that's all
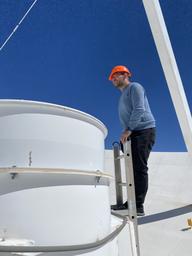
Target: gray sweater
(134, 110)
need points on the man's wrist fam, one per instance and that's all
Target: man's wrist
(127, 130)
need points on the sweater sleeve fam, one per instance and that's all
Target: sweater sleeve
(138, 108)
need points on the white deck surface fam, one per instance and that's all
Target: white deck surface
(164, 230)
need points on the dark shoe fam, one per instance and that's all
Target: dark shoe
(125, 205)
(120, 207)
(140, 211)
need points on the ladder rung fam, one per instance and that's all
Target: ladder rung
(122, 184)
(119, 157)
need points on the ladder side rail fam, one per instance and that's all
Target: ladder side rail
(118, 178)
(132, 213)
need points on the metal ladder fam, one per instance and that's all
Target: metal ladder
(130, 186)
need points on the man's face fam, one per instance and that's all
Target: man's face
(118, 79)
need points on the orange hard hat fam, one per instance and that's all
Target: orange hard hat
(119, 69)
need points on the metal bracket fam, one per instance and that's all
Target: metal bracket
(13, 174)
(98, 177)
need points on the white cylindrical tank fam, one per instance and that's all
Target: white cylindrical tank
(47, 135)
(52, 208)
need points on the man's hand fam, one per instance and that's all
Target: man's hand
(124, 136)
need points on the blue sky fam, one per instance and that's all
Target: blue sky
(65, 49)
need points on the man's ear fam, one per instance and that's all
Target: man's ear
(126, 75)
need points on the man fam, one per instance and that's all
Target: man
(138, 124)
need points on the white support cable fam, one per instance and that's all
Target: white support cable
(17, 26)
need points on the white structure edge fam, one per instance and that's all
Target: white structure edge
(169, 65)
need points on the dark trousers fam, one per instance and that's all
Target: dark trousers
(141, 144)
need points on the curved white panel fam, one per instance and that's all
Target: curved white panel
(42, 135)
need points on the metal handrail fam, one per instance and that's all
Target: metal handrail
(72, 249)
(31, 170)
